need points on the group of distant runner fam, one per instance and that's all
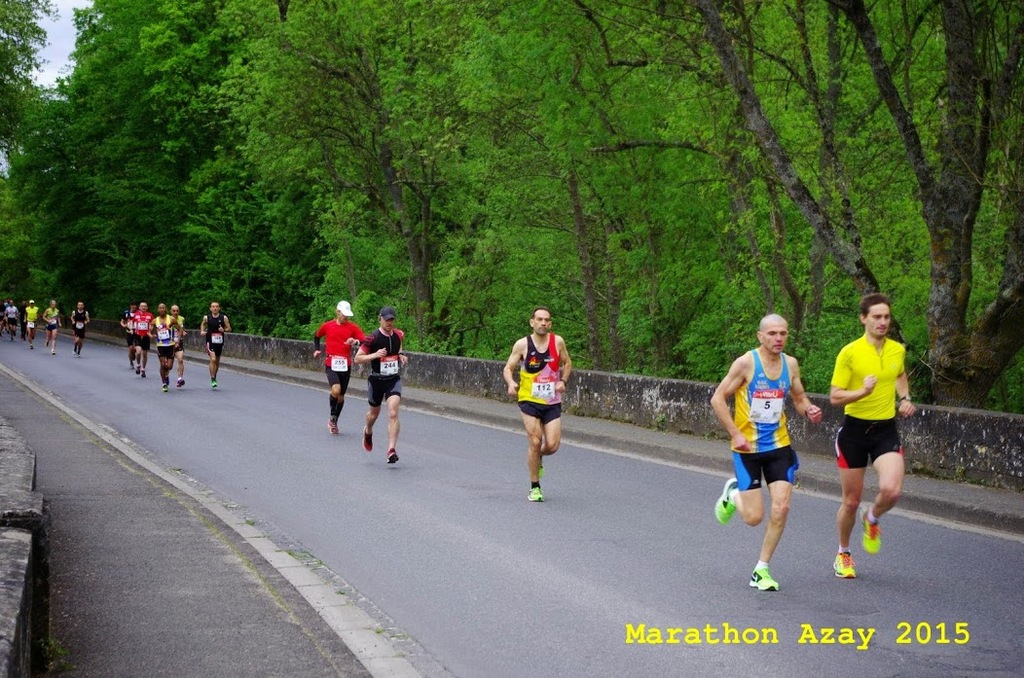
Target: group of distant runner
(144, 330)
(27, 315)
(166, 331)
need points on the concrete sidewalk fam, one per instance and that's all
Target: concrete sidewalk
(146, 582)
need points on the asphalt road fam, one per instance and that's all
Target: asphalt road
(447, 551)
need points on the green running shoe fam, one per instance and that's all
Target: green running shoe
(843, 566)
(535, 494)
(872, 540)
(762, 580)
(724, 506)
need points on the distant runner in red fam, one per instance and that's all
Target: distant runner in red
(342, 335)
(142, 321)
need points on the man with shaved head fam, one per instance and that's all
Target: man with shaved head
(760, 380)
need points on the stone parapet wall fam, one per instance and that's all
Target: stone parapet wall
(15, 602)
(24, 581)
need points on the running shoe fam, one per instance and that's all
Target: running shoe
(535, 494)
(138, 369)
(872, 540)
(164, 388)
(143, 374)
(392, 456)
(53, 352)
(31, 347)
(181, 382)
(724, 506)
(844, 566)
(332, 426)
(213, 383)
(762, 580)
(367, 440)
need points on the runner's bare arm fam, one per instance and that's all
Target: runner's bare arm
(514, 359)
(801, 402)
(738, 373)
(565, 360)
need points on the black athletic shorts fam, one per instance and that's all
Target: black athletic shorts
(337, 378)
(215, 349)
(861, 440)
(165, 352)
(79, 331)
(546, 413)
(130, 338)
(142, 341)
(779, 464)
(379, 389)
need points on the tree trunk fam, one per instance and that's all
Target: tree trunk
(418, 261)
(965, 361)
(579, 220)
(847, 256)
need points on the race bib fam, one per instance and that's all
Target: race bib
(217, 338)
(80, 326)
(142, 326)
(766, 406)
(339, 363)
(163, 334)
(389, 366)
(543, 391)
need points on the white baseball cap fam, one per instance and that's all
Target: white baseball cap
(345, 308)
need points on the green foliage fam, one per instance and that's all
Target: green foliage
(21, 38)
(15, 255)
(467, 161)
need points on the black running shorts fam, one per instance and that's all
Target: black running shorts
(861, 440)
(546, 413)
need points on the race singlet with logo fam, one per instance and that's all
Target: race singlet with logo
(539, 373)
(760, 408)
(164, 332)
